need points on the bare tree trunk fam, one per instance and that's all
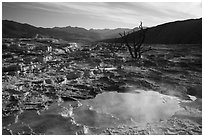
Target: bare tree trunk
(137, 50)
(125, 37)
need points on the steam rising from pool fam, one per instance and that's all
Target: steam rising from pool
(106, 110)
(127, 108)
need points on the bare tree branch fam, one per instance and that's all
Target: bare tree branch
(137, 47)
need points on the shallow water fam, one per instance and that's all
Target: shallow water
(131, 108)
(92, 116)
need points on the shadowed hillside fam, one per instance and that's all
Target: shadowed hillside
(179, 32)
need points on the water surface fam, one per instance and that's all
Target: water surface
(128, 108)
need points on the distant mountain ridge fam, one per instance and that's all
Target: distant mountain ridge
(178, 32)
(109, 33)
(12, 29)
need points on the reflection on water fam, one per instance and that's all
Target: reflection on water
(94, 115)
(143, 107)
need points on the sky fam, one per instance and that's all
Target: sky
(99, 15)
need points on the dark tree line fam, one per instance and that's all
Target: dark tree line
(136, 48)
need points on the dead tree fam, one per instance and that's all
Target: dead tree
(136, 48)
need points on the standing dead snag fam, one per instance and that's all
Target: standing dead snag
(127, 44)
(136, 48)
